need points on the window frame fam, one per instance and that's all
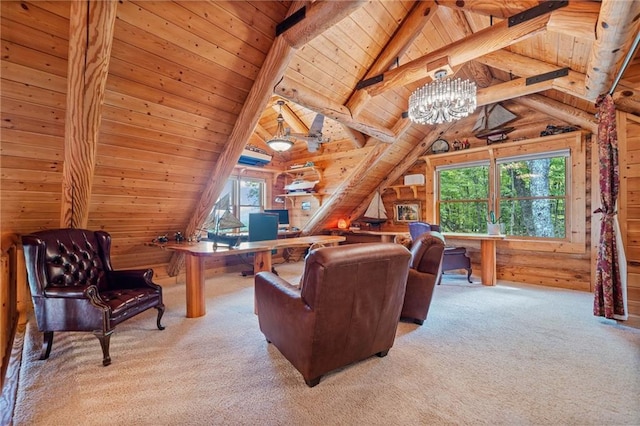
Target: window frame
(575, 143)
(235, 204)
(561, 153)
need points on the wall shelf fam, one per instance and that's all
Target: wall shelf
(301, 170)
(299, 173)
(292, 196)
(398, 189)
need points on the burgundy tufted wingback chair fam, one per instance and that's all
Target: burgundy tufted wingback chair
(424, 272)
(347, 309)
(74, 287)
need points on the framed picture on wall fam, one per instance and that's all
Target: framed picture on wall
(406, 212)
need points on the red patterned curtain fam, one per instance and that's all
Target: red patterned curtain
(609, 298)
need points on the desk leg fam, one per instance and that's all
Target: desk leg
(262, 261)
(195, 286)
(488, 262)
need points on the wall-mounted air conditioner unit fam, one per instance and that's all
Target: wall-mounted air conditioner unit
(253, 158)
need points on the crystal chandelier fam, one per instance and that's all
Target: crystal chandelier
(442, 100)
(280, 141)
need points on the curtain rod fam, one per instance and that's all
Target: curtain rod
(625, 63)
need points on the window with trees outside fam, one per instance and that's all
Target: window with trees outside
(536, 189)
(464, 197)
(532, 196)
(530, 201)
(245, 196)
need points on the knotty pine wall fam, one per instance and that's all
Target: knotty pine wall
(629, 207)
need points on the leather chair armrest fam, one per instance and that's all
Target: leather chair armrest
(70, 292)
(93, 295)
(272, 289)
(131, 278)
(284, 317)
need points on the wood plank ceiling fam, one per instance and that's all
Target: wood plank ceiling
(144, 125)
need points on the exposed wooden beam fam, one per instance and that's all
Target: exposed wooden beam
(576, 20)
(91, 27)
(406, 33)
(615, 31)
(262, 132)
(320, 103)
(319, 17)
(509, 90)
(479, 73)
(496, 8)
(358, 139)
(457, 53)
(291, 119)
(562, 111)
(627, 99)
(524, 66)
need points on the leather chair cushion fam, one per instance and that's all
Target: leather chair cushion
(125, 303)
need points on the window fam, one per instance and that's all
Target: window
(463, 197)
(245, 196)
(537, 187)
(532, 200)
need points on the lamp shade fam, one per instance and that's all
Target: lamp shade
(280, 145)
(281, 141)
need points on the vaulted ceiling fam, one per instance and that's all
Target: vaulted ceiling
(149, 104)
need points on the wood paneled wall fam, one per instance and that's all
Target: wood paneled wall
(629, 208)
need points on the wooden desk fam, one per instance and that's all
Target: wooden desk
(197, 252)
(487, 253)
(383, 236)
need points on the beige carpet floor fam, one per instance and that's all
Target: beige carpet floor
(510, 355)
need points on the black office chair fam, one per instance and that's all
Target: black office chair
(262, 227)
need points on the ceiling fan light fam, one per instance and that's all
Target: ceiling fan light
(281, 141)
(280, 144)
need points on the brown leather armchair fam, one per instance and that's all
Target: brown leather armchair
(74, 287)
(454, 257)
(426, 259)
(347, 309)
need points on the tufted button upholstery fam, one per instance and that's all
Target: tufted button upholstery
(74, 287)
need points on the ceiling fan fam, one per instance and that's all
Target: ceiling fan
(314, 136)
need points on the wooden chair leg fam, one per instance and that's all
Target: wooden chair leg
(47, 343)
(105, 338)
(469, 275)
(160, 309)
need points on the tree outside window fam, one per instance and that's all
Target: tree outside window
(533, 196)
(463, 198)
